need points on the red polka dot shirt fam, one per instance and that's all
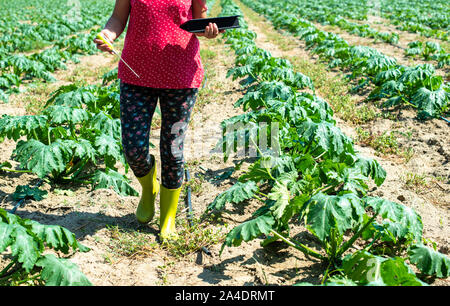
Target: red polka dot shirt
(161, 53)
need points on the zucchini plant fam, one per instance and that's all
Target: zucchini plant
(76, 138)
(429, 51)
(28, 243)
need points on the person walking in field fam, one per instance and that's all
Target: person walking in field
(167, 62)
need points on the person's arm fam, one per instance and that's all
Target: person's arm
(116, 24)
(199, 11)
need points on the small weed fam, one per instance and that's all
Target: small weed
(385, 143)
(407, 154)
(81, 73)
(193, 238)
(196, 184)
(415, 182)
(163, 272)
(207, 54)
(36, 96)
(129, 243)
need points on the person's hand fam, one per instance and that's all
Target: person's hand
(101, 45)
(211, 31)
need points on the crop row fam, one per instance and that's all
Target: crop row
(313, 175)
(326, 15)
(75, 139)
(393, 83)
(42, 23)
(61, 34)
(429, 18)
(332, 15)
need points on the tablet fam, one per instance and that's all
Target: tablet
(199, 25)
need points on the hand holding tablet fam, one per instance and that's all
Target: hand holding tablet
(199, 25)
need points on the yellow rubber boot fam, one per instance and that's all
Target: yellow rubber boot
(150, 189)
(168, 210)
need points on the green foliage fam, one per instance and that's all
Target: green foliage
(77, 131)
(394, 84)
(249, 230)
(429, 261)
(61, 272)
(236, 194)
(367, 269)
(27, 241)
(327, 212)
(46, 39)
(25, 192)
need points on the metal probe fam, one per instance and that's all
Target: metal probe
(106, 41)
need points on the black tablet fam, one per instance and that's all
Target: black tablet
(199, 25)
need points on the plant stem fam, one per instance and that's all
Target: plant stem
(35, 135)
(258, 198)
(299, 246)
(260, 152)
(78, 165)
(409, 103)
(325, 275)
(5, 270)
(316, 158)
(367, 248)
(83, 181)
(16, 171)
(263, 194)
(48, 137)
(323, 188)
(349, 242)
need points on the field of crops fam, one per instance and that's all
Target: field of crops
(318, 151)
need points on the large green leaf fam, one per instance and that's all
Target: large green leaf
(113, 179)
(61, 272)
(109, 147)
(416, 75)
(40, 158)
(327, 212)
(429, 261)
(280, 194)
(14, 127)
(371, 167)
(431, 103)
(5, 235)
(55, 236)
(20, 63)
(73, 97)
(403, 221)
(81, 148)
(64, 114)
(324, 136)
(367, 269)
(24, 247)
(249, 230)
(106, 124)
(25, 191)
(28, 239)
(235, 194)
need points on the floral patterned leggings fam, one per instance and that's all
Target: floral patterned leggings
(137, 106)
